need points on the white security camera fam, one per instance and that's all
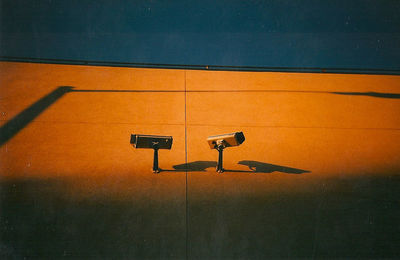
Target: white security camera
(220, 142)
(154, 142)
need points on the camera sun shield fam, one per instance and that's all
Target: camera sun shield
(150, 141)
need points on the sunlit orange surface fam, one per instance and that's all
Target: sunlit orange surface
(327, 147)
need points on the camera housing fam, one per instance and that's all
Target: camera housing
(226, 140)
(154, 142)
(150, 141)
(220, 142)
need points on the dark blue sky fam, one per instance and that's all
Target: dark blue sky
(282, 33)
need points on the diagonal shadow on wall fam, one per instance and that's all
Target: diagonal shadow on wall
(17, 123)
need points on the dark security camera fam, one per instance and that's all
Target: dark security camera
(154, 142)
(220, 142)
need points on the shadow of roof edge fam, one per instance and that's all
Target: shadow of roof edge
(367, 71)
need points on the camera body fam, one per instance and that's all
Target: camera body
(151, 141)
(225, 140)
(154, 142)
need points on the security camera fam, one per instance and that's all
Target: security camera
(226, 140)
(220, 142)
(154, 142)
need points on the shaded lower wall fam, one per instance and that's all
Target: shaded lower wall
(343, 218)
(318, 174)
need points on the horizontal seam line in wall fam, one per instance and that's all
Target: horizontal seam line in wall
(99, 123)
(222, 91)
(206, 67)
(215, 125)
(301, 127)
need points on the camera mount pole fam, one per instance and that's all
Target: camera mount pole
(155, 159)
(220, 149)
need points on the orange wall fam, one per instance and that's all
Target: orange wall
(286, 117)
(331, 127)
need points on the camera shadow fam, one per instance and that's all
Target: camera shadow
(254, 166)
(196, 166)
(261, 167)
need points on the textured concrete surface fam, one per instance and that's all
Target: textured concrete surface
(318, 174)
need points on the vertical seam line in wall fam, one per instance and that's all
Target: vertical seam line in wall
(186, 178)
